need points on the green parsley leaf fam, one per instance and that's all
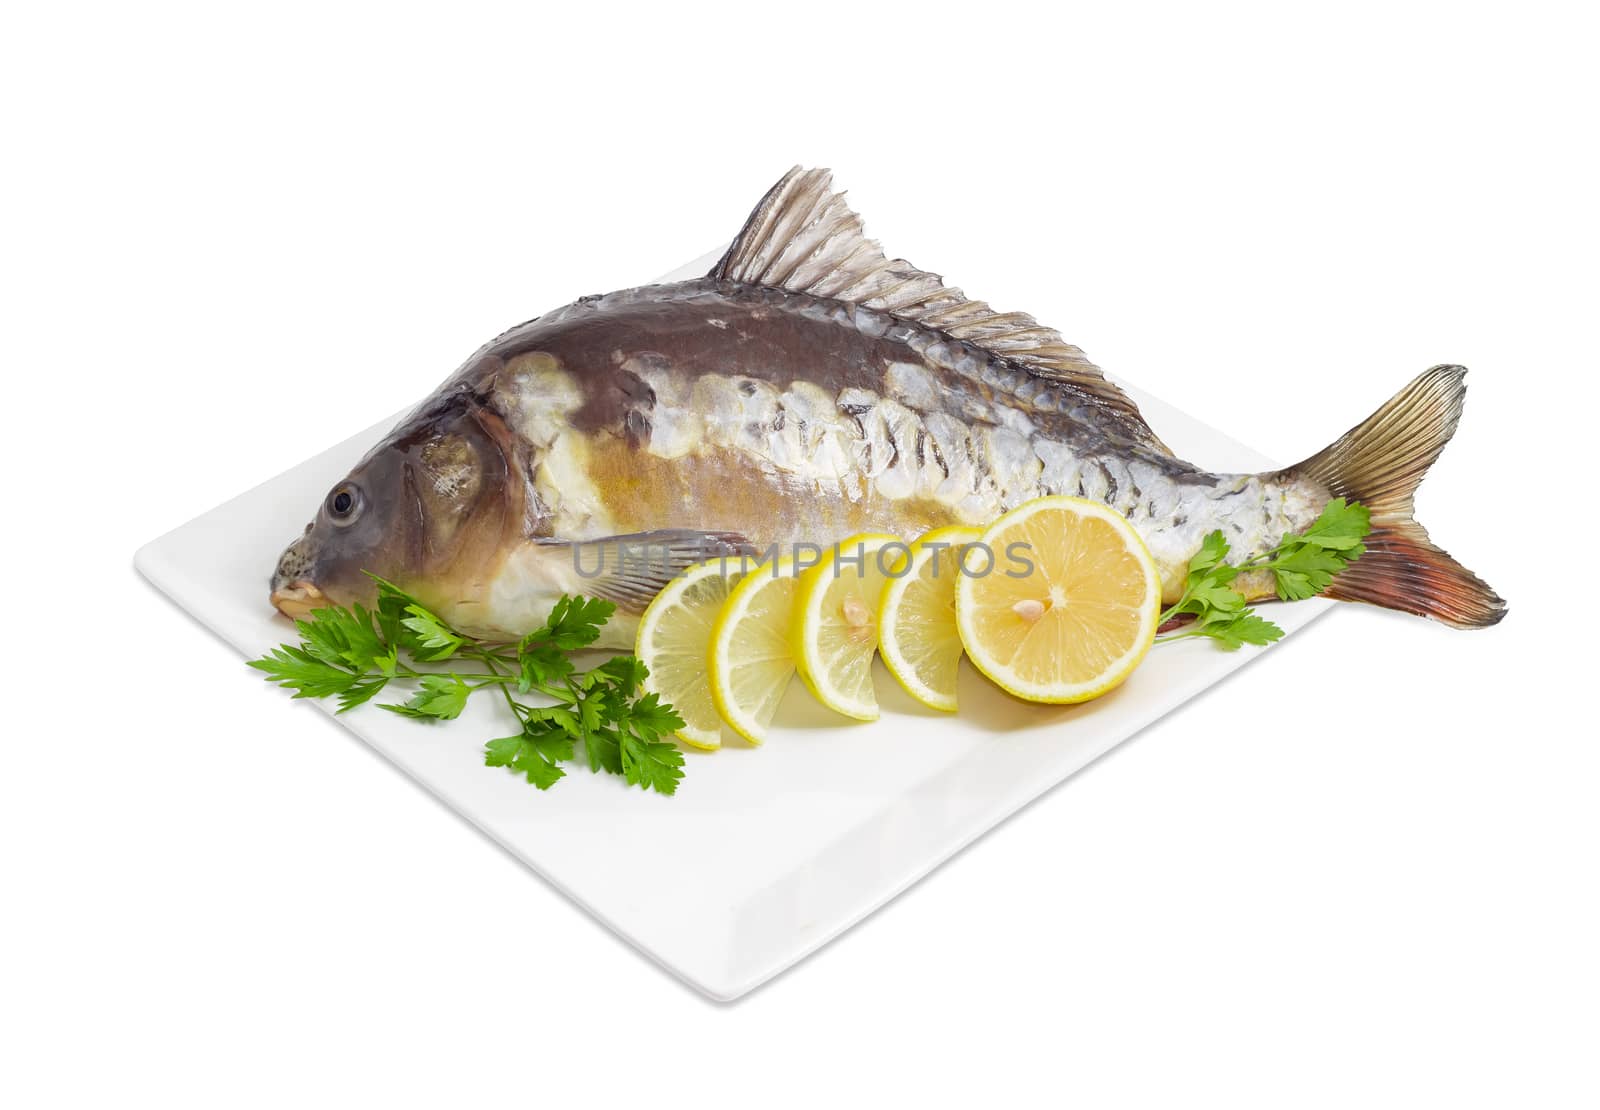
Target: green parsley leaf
(575, 622)
(500, 753)
(406, 623)
(1302, 566)
(1213, 550)
(536, 753)
(651, 764)
(356, 653)
(1341, 526)
(1246, 628)
(435, 640)
(537, 770)
(652, 718)
(603, 746)
(564, 719)
(625, 672)
(345, 636)
(542, 665)
(595, 709)
(442, 697)
(553, 744)
(299, 670)
(392, 602)
(360, 692)
(1305, 571)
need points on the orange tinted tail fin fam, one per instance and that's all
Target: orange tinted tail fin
(1380, 463)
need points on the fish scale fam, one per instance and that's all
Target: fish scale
(806, 389)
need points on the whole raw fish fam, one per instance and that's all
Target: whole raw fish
(806, 389)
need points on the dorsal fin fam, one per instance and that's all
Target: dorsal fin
(804, 238)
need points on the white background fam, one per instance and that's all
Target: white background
(1361, 872)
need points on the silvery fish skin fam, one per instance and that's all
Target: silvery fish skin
(807, 389)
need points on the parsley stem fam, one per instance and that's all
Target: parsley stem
(1176, 609)
(517, 710)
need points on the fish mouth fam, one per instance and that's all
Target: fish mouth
(296, 599)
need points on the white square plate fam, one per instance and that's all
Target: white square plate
(782, 847)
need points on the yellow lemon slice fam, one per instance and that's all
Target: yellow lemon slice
(835, 633)
(1067, 605)
(917, 634)
(749, 661)
(674, 637)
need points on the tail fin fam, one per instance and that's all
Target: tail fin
(1380, 463)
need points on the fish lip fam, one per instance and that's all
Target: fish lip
(296, 599)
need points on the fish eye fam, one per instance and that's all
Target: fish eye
(344, 504)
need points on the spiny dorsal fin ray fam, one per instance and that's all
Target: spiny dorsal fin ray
(804, 238)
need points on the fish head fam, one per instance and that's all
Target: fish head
(428, 509)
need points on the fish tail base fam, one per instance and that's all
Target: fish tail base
(1380, 463)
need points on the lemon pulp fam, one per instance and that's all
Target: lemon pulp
(750, 661)
(1069, 606)
(917, 634)
(835, 631)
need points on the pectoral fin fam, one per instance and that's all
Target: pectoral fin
(630, 570)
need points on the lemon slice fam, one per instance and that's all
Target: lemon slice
(917, 634)
(1068, 605)
(835, 631)
(674, 636)
(750, 662)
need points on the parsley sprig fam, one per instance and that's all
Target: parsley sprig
(1302, 566)
(354, 653)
